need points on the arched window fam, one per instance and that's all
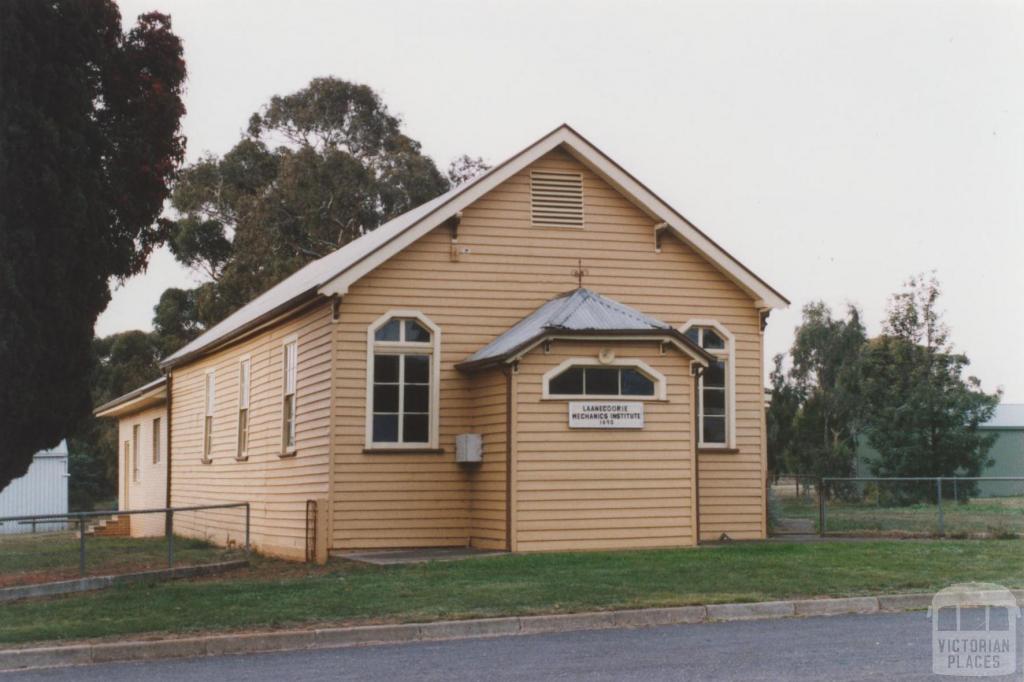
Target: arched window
(717, 385)
(403, 372)
(590, 378)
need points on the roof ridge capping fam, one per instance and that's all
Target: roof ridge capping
(623, 309)
(336, 272)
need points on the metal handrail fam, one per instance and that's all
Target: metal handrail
(169, 512)
(115, 512)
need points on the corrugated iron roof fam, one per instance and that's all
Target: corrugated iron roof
(582, 311)
(131, 395)
(307, 279)
(1007, 416)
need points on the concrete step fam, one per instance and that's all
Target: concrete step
(115, 526)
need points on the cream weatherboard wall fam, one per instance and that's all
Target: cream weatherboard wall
(600, 488)
(276, 484)
(149, 490)
(490, 418)
(501, 269)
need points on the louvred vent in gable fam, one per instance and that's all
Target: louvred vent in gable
(556, 199)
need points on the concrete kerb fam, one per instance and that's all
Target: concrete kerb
(325, 638)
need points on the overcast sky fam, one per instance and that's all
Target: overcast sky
(834, 148)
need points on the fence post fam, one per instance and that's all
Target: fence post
(938, 489)
(956, 492)
(81, 546)
(169, 529)
(821, 507)
(247, 529)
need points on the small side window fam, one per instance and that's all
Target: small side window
(244, 370)
(211, 389)
(135, 452)
(291, 360)
(715, 387)
(157, 438)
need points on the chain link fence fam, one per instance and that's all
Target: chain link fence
(793, 504)
(51, 547)
(923, 506)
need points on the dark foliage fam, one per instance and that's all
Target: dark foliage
(824, 378)
(316, 169)
(923, 412)
(779, 417)
(90, 141)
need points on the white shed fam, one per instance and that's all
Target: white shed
(42, 490)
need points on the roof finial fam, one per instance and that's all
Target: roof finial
(579, 272)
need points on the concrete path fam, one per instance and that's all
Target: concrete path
(858, 647)
(390, 557)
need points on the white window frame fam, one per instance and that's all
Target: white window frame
(431, 348)
(729, 356)
(156, 440)
(127, 467)
(290, 381)
(209, 407)
(136, 465)
(244, 393)
(660, 383)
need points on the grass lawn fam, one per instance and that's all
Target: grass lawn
(274, 594)
(998, 516)
(41, 557)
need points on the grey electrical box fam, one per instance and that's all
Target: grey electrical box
(469, 448)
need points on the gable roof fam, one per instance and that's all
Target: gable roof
(147, 395)
(335, 273)
(577, 313)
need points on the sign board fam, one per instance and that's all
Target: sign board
(606, 414)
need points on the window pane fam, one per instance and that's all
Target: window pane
(416, 332)
(385, 398)
(385, 369)
(712, 340)
(385, 428)
(714, 375)
(714, 401)
(417, 398)
(569, 382)
(389, 331)
(207, 435)
(156, 440)
(415, 429)
(601, 381)
(289, 421)
(635, 383)
(693, 333)
(417, 369)
(714, 430)
(243, 431)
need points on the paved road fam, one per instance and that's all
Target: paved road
(876, 647)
